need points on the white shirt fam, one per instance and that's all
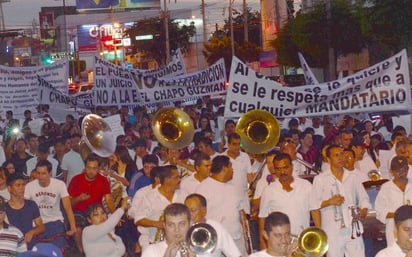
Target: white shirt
(189, 184)
(223, 204)
(73, 163)
(47, 198)
(325, 185)
(391, 251)
(31, 165)
(137, 200)
(241, 168)
(390, 198)
(225, 244)
(294, 203)
(366, 164)
(152, 208)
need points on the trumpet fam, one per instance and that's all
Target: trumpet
(338, 209)
(183, 248)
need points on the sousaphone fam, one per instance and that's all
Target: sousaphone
(259, 131)
(97, 137)
(173, 128)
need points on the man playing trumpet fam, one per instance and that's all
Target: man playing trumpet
(176, 225)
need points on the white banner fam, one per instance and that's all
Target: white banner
(210, 81)
(382, 87)
(113, 84)
(307, 72)
(18, 85)
(116, 85)
(176, 67)
(48, 94)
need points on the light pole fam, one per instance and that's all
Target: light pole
(232, 37)
(166, 21)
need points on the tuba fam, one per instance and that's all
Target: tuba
(312, 242)
(259, 131)
(173, 128)
(97, 137)
(201, 238)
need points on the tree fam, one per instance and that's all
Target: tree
(312, 33)
(220, 44)
(387, 27)
(179, 37)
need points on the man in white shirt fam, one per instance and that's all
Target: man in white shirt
(224, 203)
(47, 192)
(334, 193)
(41, 155)
(202, 167)
(149, 216)
(242, 169)
(393, 194)
(71, 165)
(176, 224)
(403, 231)
(278, 235)
(225, 245)
(288, 194)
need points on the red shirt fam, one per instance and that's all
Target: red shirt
(96, 189)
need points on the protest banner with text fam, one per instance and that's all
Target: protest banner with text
(18, 85)
(209, 81)
(48, 94)
(382, 87)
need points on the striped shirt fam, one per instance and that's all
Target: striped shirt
(11, 241)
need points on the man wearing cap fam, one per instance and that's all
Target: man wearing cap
(42, 154)
(139, 147)
(11, 238)
(403, 232)
(393, 194)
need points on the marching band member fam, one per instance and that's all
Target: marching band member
(393, 194)
(403, 233)
(225, 245)
(335, 192)
(288, 194)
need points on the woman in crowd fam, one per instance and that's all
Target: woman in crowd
(99, 238)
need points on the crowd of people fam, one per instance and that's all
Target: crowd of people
(143, 199)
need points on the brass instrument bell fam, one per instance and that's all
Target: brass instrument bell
(259, 131)
(97, 136)
(312, 242)
(201, 238)
(173, 128)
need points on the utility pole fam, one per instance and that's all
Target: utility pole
(245, 21)
(166, 21)
(203, 8)
(232, 36)
(64, 26)
(331, 51)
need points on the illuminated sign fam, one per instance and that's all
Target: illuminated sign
(85, 5)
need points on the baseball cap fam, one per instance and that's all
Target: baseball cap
(399, 162)
(403, 213)
(43, 250)
(2, 203)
